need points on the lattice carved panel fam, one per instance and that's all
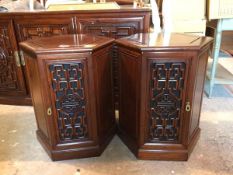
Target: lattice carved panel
(8, 78)
(68, 87)
(31, 31)
(109, 29)
(166, 92)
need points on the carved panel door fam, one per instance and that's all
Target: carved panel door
(11, 76)
(69, 84)
(167, 80)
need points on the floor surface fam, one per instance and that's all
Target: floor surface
(21, 154)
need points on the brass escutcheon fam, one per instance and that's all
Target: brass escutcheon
(188, 107)
(49, 111)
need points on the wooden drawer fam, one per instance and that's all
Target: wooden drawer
(30, 28)
(111, 27)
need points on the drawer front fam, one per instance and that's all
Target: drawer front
(110, 27)
(43, 27)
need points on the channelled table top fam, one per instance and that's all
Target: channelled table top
(66, 43)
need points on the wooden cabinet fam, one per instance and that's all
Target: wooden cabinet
(161, 87)
(22, 26)
(71, 86)
(12, 83)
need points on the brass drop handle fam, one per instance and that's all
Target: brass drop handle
(188, 107)
(49, 111)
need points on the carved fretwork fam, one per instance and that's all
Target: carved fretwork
(166, 92)
(109, 29)
(68, 88)
(8, 79)
(115, 75)
(31, 31)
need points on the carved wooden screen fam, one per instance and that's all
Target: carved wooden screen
(69, 98)
(166, 96)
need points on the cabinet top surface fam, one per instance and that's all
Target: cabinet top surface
(65, 43)
(154, 41)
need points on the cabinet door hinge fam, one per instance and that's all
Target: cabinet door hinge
(22, 58)
(17, 59)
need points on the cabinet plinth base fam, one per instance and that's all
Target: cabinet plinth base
(181, 153)
(73, 153)
(24, 101)
(178, 155)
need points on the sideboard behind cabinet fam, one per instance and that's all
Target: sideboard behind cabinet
(21, 26)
